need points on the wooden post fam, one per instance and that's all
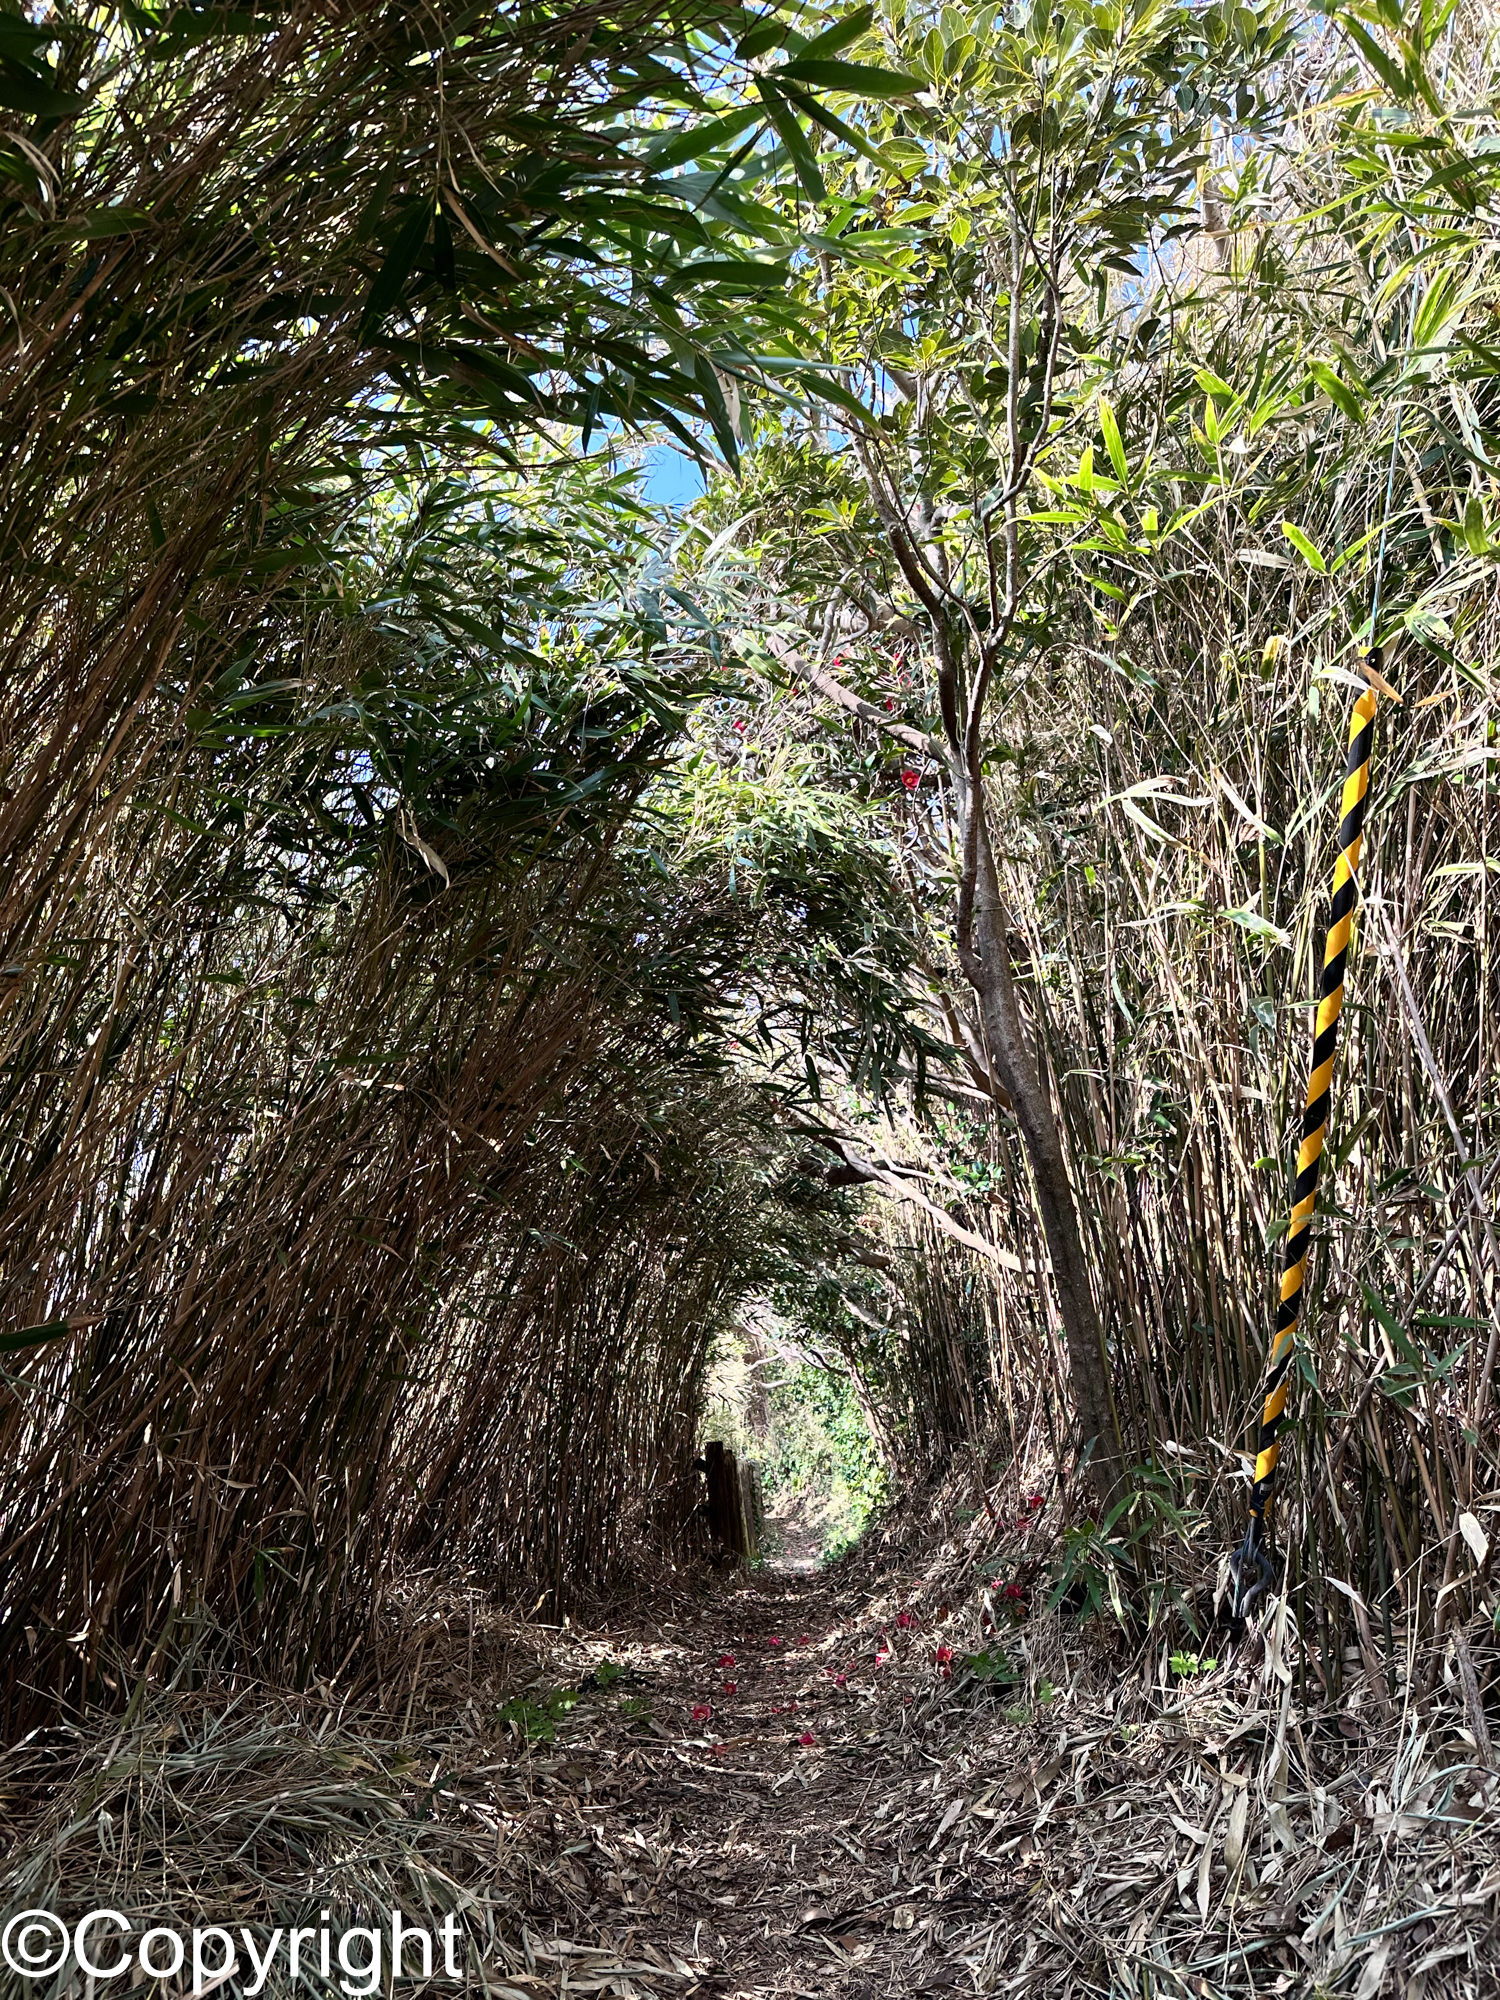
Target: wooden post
(734, 1510)
(750, 1508)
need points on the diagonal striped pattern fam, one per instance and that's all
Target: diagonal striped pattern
(1315, 1117)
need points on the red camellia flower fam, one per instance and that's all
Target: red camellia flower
(726, 1659)
(890, 704)
(773, 1641)
(804, 1640)
(904, 1621)
(1014, 1592)
(910, 780)
(731, 1687)
(702, 1711)
(807, 1739)
(841, 1680)
(1035, 1500)
(944, 1656)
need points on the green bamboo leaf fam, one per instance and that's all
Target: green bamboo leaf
(1257, 926)
(1440, 306)
(33, 1336)
(1390, 75)
(859, 79)
(1114, 444)
(1430, 627)
(770, 33)
(673, 149)
(1306, 548)
(792, 136)
(1386, 1319)
(839, 35)
(1337, 390)
(34, 99)
(20, 41)
(831, 122)
(401, 258)
(107, 222)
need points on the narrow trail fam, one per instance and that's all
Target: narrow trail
(901, 1775)
(807, 1783)
(745, 1833)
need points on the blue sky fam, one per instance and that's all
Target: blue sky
(672, 479)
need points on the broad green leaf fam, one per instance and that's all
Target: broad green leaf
(903, 156)
(1333, 385)
(1305, 547)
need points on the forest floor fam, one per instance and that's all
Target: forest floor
(801, 1783)
(849, 1820)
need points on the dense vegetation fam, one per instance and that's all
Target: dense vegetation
(469, 932)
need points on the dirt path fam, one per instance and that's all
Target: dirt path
(796, 1538)
(898, 1776)
(797, 1790)
(742, 1835)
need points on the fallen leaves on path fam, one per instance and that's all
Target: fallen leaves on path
(1084, 1824)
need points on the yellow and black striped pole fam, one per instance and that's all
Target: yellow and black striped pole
(1253, 1565)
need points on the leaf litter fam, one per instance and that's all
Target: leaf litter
(875, 1809)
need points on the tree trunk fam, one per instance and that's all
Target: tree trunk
(1088, 1361)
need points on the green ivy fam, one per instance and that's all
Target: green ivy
(820, 1443)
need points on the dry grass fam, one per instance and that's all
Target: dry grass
(1098, 1825)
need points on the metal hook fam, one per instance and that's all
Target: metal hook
(1254, 1569)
